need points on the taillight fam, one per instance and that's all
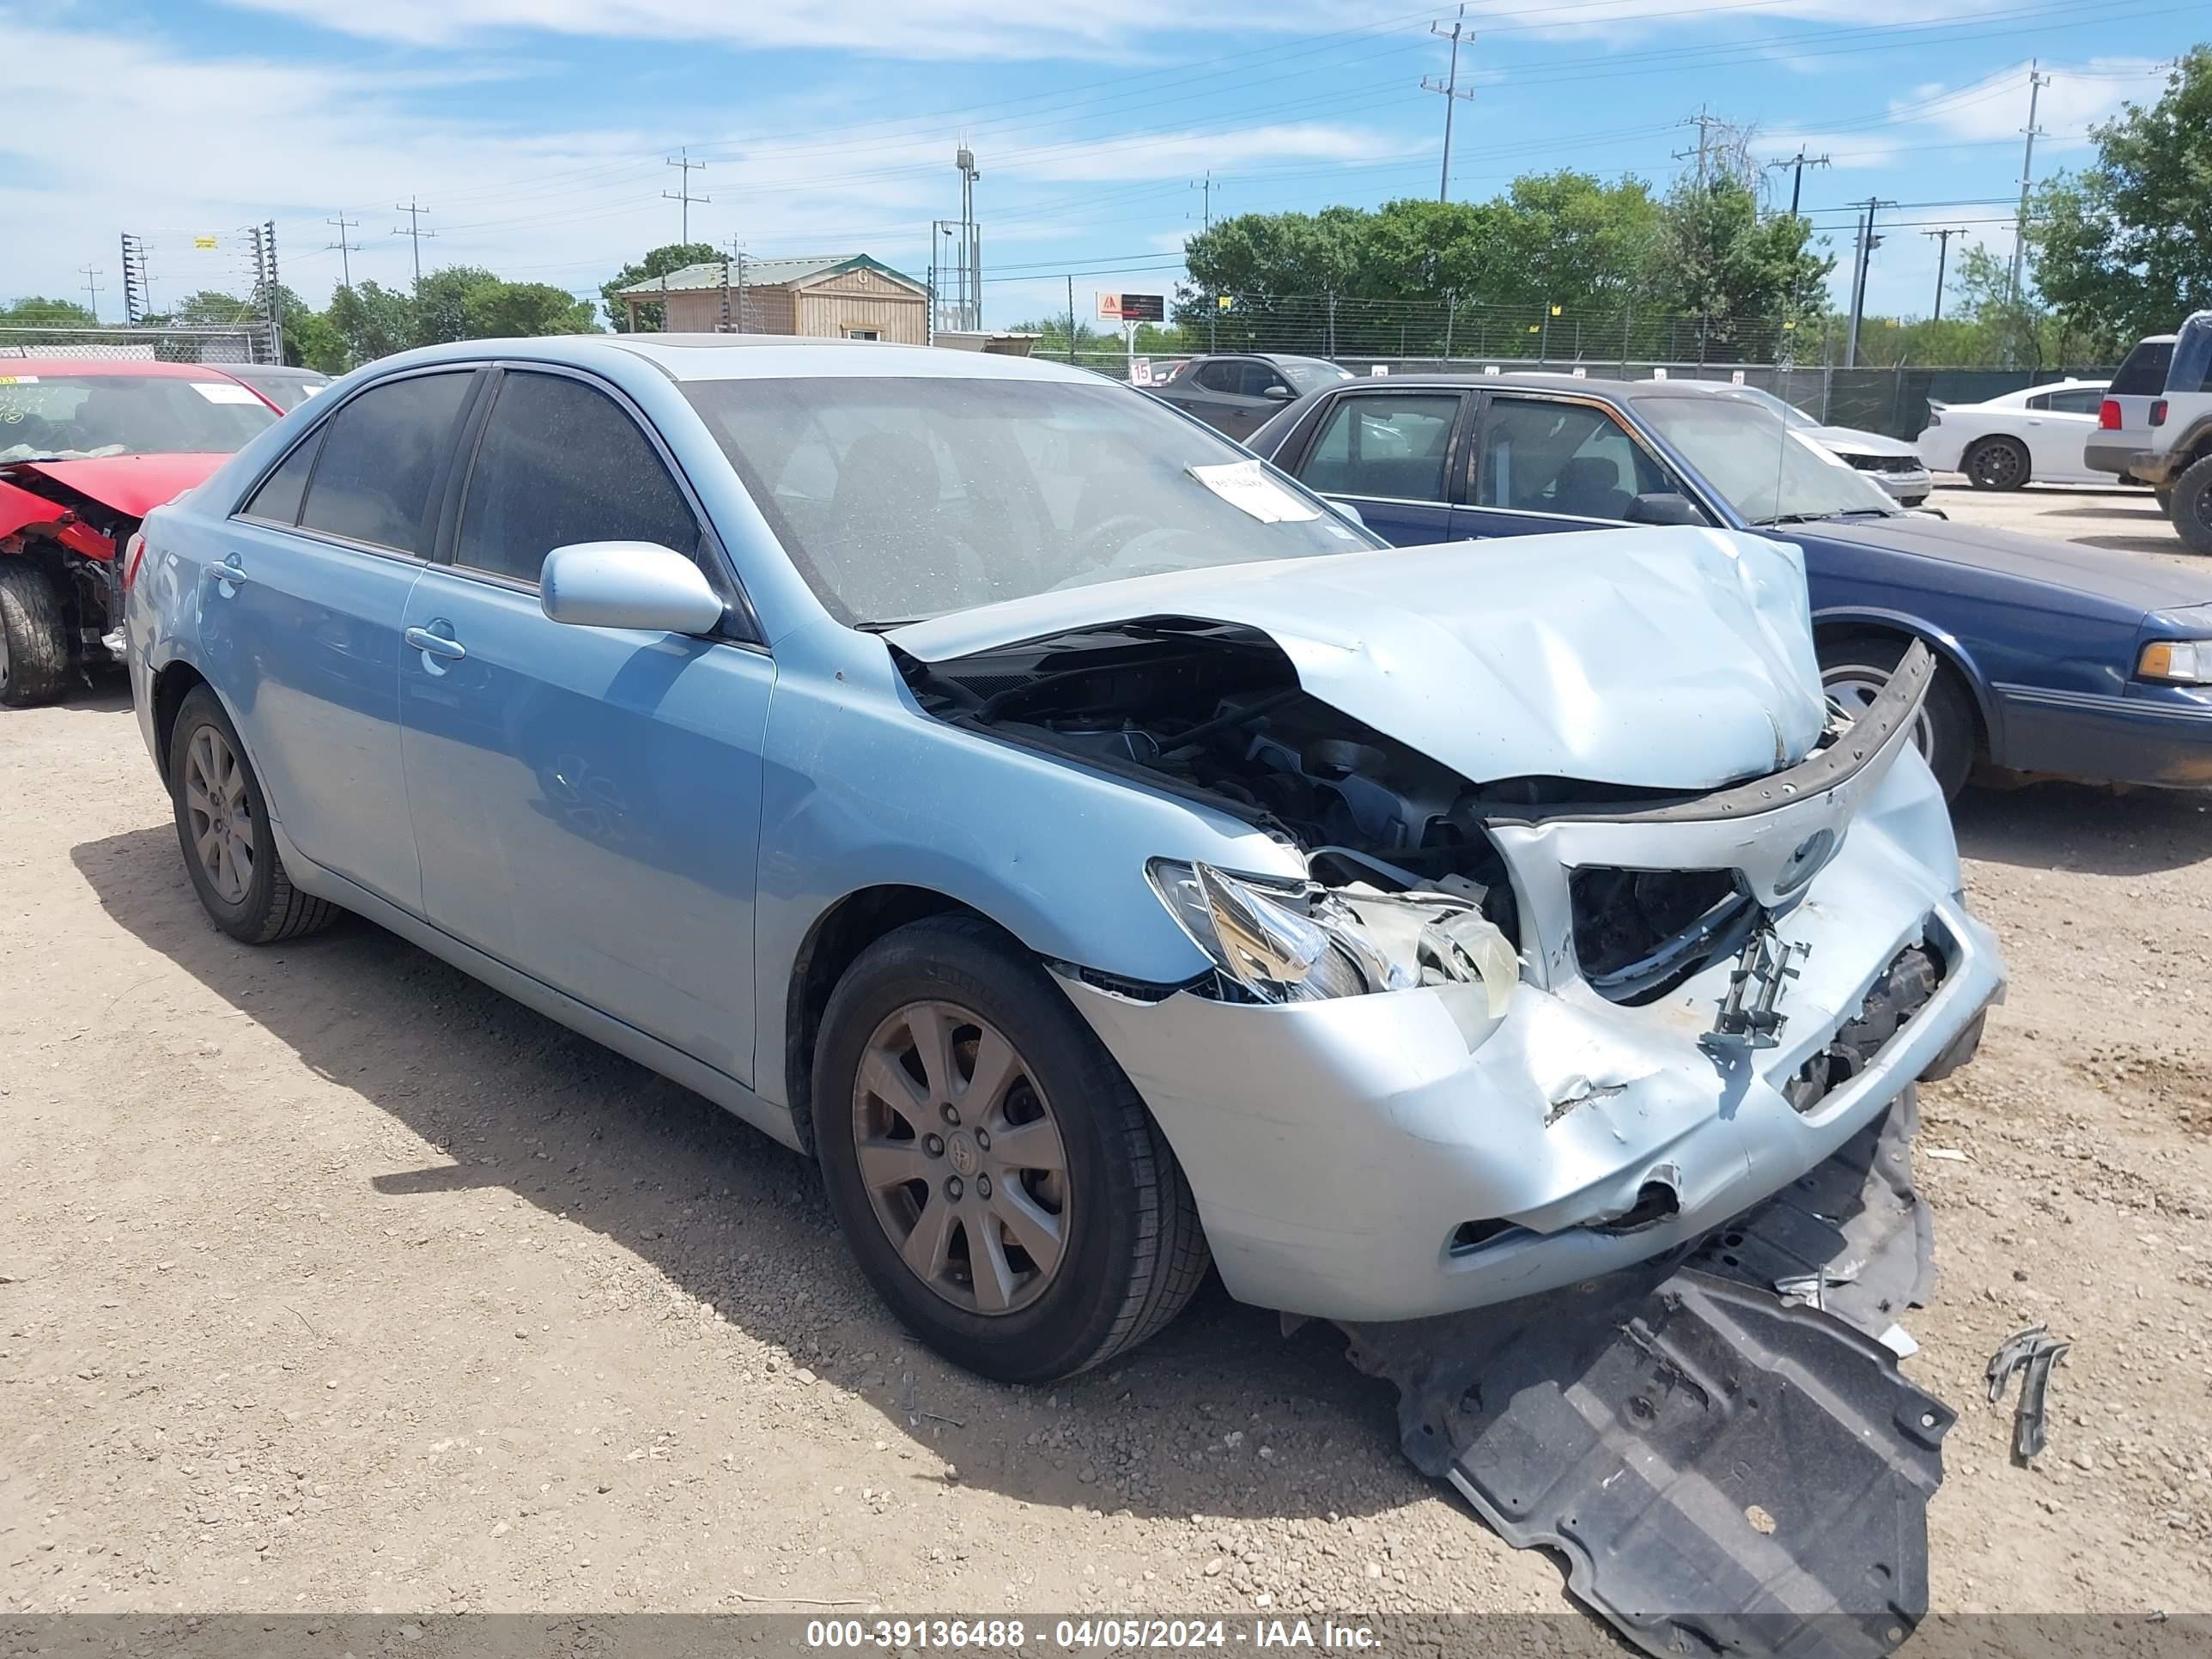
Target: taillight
(2158, 413)
(2108, 415)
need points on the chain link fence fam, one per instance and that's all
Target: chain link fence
(243, 342)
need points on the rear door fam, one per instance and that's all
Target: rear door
(302, 621)
(1390, 453)
(1540, 464)
(2059, 425)
(587, 800)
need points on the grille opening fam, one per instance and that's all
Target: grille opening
(1905, 986)
(1655, 1202)
(1473, 1235)
(1640, 934)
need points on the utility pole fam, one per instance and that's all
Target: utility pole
(92, 275)
(2036, 84)
(1942, 251)
(1071, 316)
(1450, 87)
(346, 249)
(1868, 243)
(414, 233)
(136, 285)
(683, 193)
(1797, 164)
(1705, 121)
(1205, 185)
(272, 289)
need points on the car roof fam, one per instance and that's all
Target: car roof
(59, 367)
(1528, 380)
(687, 357)
(277, 370)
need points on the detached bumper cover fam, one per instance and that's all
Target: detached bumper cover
(1403, 1154)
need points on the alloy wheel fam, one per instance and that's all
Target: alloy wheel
(962, 1157)
(2000, 466)
(219, 818)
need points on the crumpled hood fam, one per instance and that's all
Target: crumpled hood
(1670, 658)
(131, 484)
(1850, 439)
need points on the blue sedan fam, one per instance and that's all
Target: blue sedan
(1099, 854)
(2057, 660)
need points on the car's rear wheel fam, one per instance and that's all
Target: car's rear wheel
(33, 645)
(1854, 669)
(2191, 511)
(999, 1179)
(1996, 463)
(222, 827)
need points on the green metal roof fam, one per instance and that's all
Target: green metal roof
(762, 273)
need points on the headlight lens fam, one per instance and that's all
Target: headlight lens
(2180, 662)
(1300, 942)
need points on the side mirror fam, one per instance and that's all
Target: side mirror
(1664, 507)
(627, 585)
(1277, 393)
(1345, 510)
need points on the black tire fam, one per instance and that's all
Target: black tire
(270, 908)
(1133, 1250)
(1953, 733)
(2191, 511)
(1996, 463)
(33, 644)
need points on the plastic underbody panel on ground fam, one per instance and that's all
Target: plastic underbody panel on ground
(1725, 1468)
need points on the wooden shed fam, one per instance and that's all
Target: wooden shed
(849, 297)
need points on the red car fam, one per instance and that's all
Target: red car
(87, 448)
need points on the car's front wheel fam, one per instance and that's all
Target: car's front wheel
(1996, 463)
(998, 1178)
(2191, 511)
(1854, 669)
(33, 645)
(223, 826)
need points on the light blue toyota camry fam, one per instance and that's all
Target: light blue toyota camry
(1099, 853)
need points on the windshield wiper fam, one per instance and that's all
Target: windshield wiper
(1817, 518)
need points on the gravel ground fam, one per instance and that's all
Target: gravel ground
(330, 1280)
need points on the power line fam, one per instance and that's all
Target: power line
(682, 159)
(345, 249)
(414, 233)
(1450, 87)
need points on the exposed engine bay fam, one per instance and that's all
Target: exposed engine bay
(1215, 710)
(71, 541)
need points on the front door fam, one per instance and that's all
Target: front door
(1388, 453)
(586, 800)
(302, 619)
(1546, 464)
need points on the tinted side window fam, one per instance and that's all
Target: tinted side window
(1561, 458)
(562, 462)
(277, 500)
(2041, 401)
(1218, 376)
(2085, 400)
(2143, 374)
(383, 454)
(1258, 377)
(1384, 444)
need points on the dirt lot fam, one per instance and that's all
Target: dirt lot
(331, 1280)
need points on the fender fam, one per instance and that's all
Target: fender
(1946, 645)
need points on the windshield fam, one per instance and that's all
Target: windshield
(1310, 376)
(1791, 415)
(1767, 472)
(901, 499)
(69, 417)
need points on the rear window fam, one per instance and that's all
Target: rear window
(2143, 374)
(2190, 372)
(75, 416)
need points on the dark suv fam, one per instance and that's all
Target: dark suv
(1234, 394)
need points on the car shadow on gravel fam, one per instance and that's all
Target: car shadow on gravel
(2058, 827)
(518, 1102)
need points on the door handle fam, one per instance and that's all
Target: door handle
(436, 645)
(230, 575)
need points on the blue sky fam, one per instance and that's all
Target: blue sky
(536, 131)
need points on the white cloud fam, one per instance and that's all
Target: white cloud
(1995, 106)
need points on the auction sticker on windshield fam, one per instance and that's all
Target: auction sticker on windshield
(1246, 486)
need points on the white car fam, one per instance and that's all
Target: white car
(2034, 435)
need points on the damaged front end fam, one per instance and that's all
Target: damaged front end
(1497, 1036)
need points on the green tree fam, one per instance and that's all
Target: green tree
(372, 321)
(501, 310)
(1739, 274)
(2125, 246)
(661, 262)
(34, 311)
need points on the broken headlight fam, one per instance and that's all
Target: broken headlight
(1290, 941)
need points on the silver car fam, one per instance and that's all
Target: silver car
(1890, 462)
